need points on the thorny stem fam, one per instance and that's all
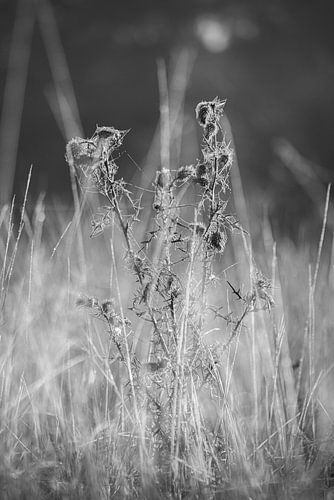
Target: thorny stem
(212, 213)
(237, 325)
(213, 186)
(113, 201)
(124, 228)
(115, 341)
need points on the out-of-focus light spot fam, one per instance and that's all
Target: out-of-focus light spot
(217, 34)
(214, 34)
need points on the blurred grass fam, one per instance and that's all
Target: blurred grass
(61, 394)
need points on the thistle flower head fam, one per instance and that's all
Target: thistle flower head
(207, 111)
(80, 154)
(154, 366)
(217, 106)
(203, 110)
(108, 307)
(210, 129)
(185, 172)
(216, 239)
(203, 171)
(109, 136)
(163, 185)
(87, 154)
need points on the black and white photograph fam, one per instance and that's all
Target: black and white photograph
(166, 250)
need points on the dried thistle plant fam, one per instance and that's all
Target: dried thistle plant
(173, 268)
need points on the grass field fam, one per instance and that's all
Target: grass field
(170, 355)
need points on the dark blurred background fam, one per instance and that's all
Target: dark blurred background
(68, 65)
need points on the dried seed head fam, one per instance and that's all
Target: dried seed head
(107, 307)
(185, 172)
(105, 132)
(225, 156)
(217, 107)
(162, 178)
(210, 130)
(203, 111)
(221, 154)
(209, 111)
(163, 185)
(202, 174)
(217, 240)
(89, 154)
(202, 169)
(224, 159)
(81, 154)
(110, 137)
(159, 365)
